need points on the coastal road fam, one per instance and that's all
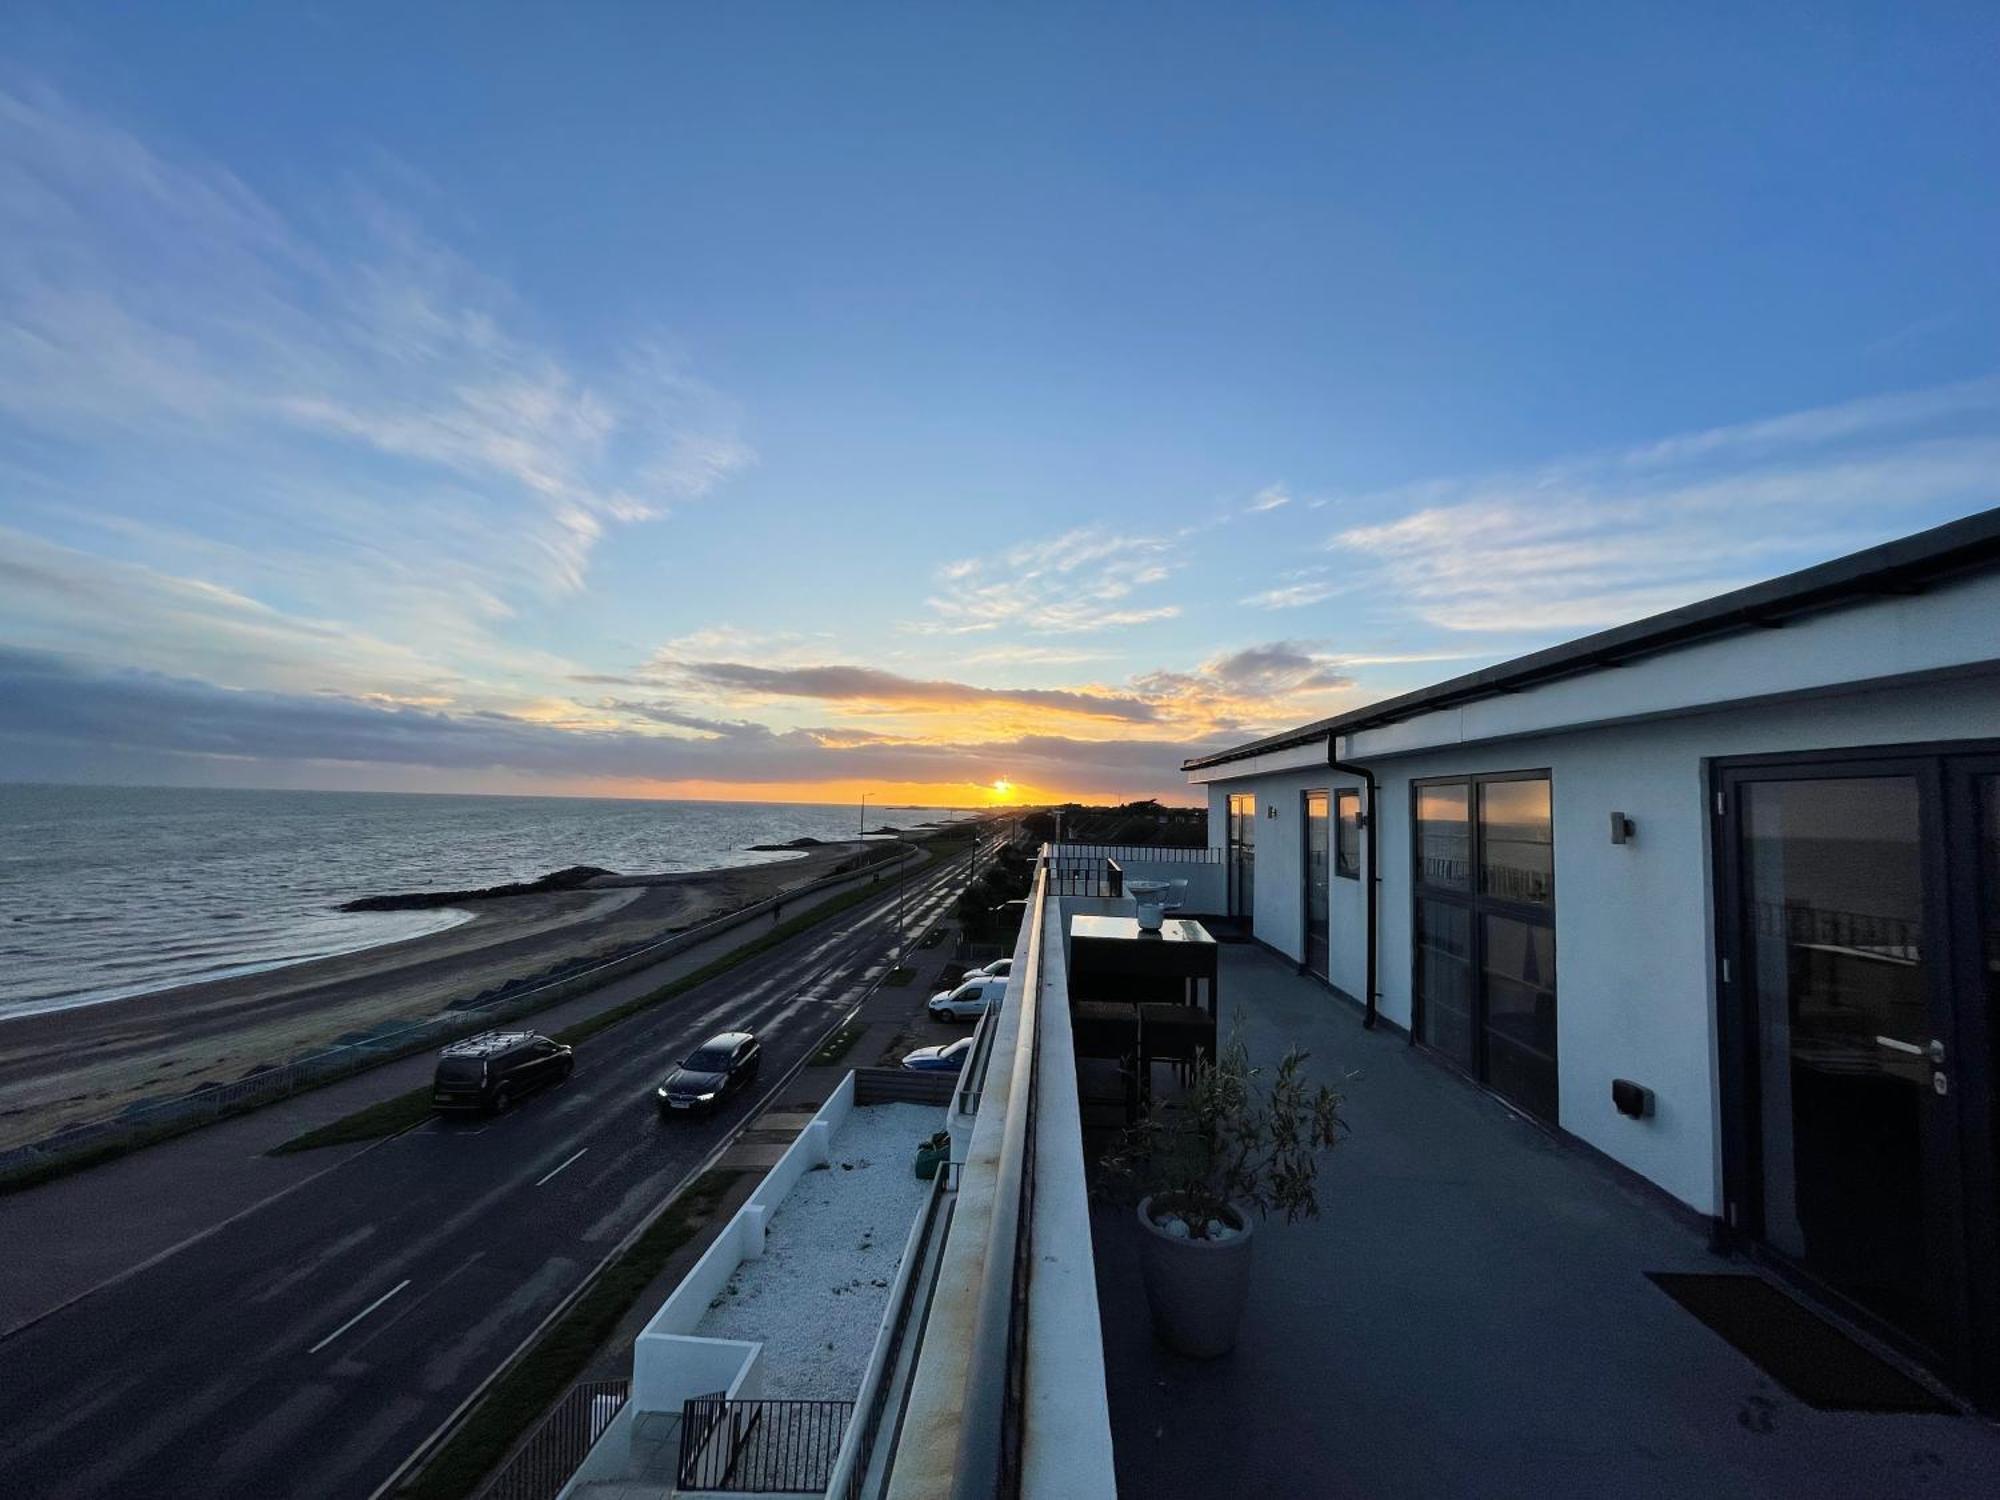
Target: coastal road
(306, 1348)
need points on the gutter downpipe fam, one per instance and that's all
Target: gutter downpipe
(1334, 762)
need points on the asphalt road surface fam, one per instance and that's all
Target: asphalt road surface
(307, 1348)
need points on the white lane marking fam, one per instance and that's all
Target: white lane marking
(359, 1316)
(558, 1169)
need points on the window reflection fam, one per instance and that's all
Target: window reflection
(1444, 977)
(1516, 841)
(1347, 820)
(1444, 836)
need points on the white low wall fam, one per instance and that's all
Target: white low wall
(669, 1364)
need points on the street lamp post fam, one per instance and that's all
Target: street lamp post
(864, 815)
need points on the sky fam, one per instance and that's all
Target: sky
(953, 403)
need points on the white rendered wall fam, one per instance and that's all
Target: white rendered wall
(1278, 917)
(669, 1364)
(1634, 940)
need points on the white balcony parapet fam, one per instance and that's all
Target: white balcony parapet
(1008, 1394)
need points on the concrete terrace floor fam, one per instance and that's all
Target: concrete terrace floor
(1470, 1317)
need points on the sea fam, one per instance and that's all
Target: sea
(108, 892)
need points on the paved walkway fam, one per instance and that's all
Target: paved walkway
(1470, 1317)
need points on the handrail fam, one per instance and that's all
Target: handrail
(971, 1087)
(989, 1443)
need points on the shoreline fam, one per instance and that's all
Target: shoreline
(48, 1005)
(60, 1067)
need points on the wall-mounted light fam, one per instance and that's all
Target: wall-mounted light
(1271, 811)
(1632, 1100)
(1622, 829)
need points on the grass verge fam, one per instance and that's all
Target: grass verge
(405, 1110)
(541, 1375)
(899, 976)
(839, 1044)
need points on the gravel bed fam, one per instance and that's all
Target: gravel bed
(815, 1299)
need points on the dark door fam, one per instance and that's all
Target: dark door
(1243, 857)
(1318, 867)
(1859, 970)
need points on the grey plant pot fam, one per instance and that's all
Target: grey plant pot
(1195, 1288)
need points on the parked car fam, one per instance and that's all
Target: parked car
(711, 1073)
(950, 1058)
(969, 1001)
(491, 1072)
(1000, 968)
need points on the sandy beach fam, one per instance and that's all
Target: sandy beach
(64, 1067)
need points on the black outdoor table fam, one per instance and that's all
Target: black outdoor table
(1113, 959)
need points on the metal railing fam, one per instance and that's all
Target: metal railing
(760, 1447)
(1085, 875)
(1159, 854)
(541, 1466)
(1800, 922)
(972, 1077)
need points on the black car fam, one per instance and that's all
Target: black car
(491, 1071)
(713, 1071)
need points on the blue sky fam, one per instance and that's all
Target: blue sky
(785, 401)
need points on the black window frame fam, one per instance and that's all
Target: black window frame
(1478, 905)
(1346, 797)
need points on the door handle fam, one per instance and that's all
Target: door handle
(1898, 1046)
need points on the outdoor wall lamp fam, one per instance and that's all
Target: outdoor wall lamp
(1632, 1100)
(1622, 829)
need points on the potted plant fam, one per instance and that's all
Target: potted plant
(1200, 1166)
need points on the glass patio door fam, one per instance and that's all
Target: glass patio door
(1319, 868)
(1243, 857)
(1863, 971)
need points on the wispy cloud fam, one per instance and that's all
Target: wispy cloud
(1291, 596)
(212, 348)
(1081, 581)
(1031, 656)
(1599, 540)
(1271, 497)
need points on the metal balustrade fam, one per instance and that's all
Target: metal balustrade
(541, 1466)
(760, 1447)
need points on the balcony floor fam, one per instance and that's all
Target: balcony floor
(1470, 1317)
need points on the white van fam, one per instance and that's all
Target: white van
(972, 999)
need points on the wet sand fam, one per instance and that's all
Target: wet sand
(64, 1067)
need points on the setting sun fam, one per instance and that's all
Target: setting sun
(1003, 789)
